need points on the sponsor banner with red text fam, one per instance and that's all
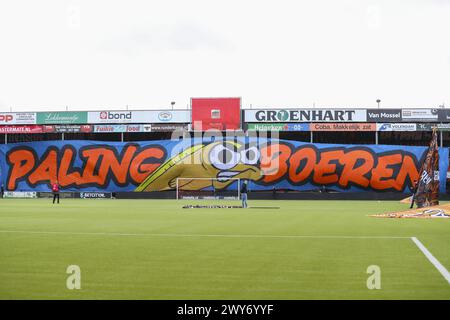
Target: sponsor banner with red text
(110, 128)
(67, 128)
(85, 128)
(151, 127)
(343, 127)
(21, 129)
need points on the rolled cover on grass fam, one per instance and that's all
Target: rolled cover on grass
(440, 211)
(406, 200)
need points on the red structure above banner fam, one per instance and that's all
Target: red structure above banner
(216, 113)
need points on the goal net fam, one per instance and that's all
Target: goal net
(208, 188)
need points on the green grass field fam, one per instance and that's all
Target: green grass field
(154, 249)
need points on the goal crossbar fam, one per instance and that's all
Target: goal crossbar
(213, 181)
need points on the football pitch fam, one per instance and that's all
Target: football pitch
(154, 249)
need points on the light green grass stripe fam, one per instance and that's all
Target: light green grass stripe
(202, 235)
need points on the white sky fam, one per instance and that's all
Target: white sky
(94, 54)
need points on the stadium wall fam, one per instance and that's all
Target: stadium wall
(361, 127)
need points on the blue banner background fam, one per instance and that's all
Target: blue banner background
(173, 147)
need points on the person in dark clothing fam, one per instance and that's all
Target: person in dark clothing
(244, 191)
(55, 191)
(414, 190)
(2, 191)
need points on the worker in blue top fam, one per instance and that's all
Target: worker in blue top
(244, 191)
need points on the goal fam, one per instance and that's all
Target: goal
(208, 188)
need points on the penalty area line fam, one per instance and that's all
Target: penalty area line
(443, 271)
(200, 235)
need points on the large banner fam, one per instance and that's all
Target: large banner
(267, 163)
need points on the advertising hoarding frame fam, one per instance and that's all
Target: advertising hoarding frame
(138, 116)
(288, 114)
(10, 118)
(61, 117)
(384, 115)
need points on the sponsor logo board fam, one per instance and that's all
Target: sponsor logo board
(443, 115)
(140, 116)
(134, 128)
(278, 127)
(384, 115)
(95, 195)
(396, 126)
(163, 127)
(420, 114)
(20, 194)
(72, 128)
(306, 115)
(113, 128)
(343, 127)
(430, 126)
(66, 117)
(110, 128)
(10, 118)
(21, 129)
(267, 126)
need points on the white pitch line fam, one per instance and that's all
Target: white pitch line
(201, 235)
(432, 259)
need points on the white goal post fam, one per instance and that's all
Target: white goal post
(209, 188)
